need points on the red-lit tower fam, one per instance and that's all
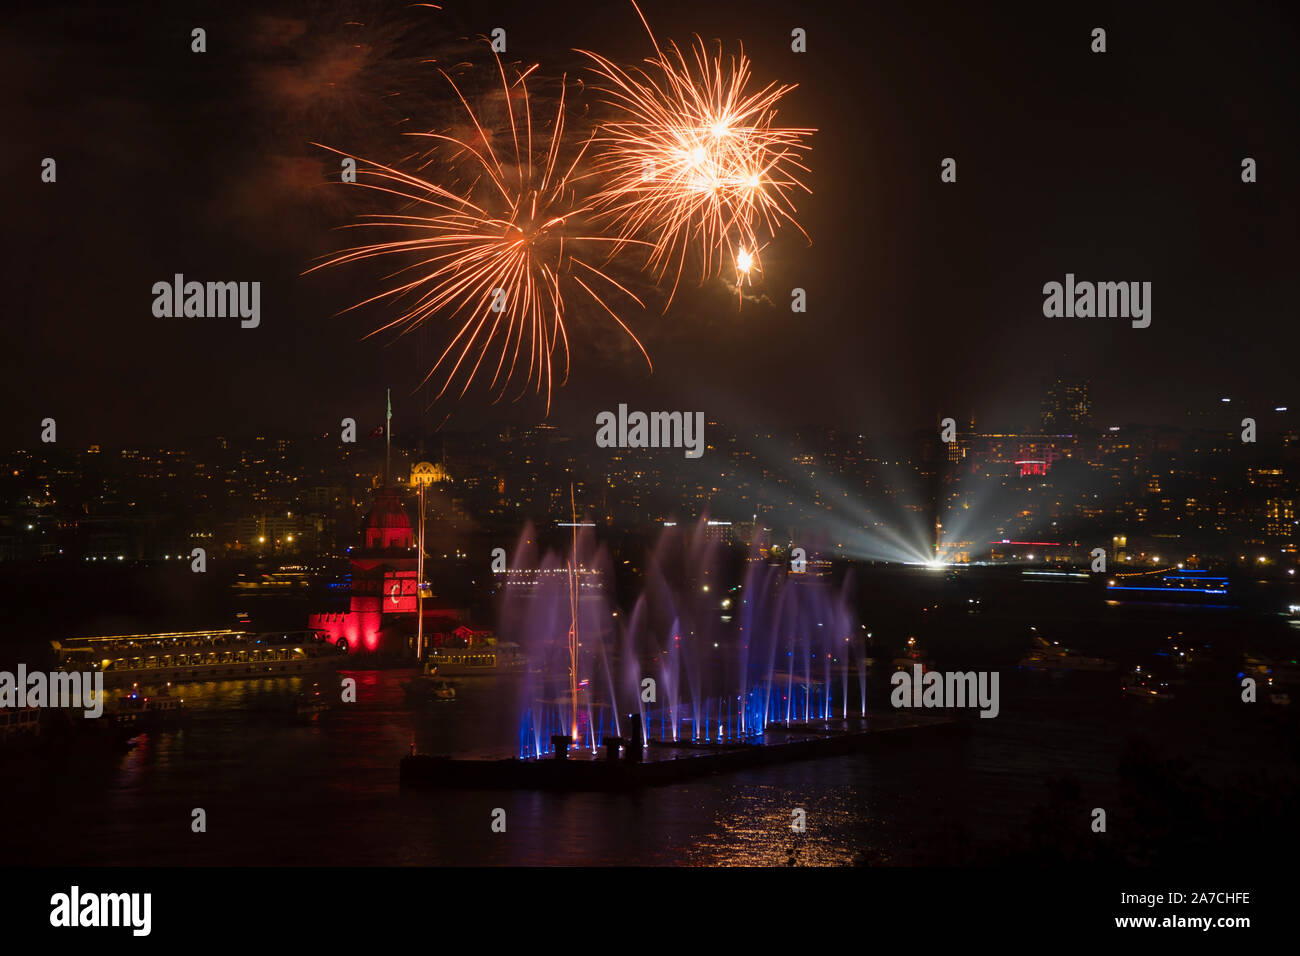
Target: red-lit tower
(384, 596)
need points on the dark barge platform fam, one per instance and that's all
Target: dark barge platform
(666, 763)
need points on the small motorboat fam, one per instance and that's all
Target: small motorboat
(1051, 656)
(911, 655)
(1146, 686)
(429, 689)
(137, 713)
(312, 702)
(429, 686)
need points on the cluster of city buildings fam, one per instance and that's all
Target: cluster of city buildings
(1198, 492)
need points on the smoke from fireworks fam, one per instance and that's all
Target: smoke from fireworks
(693, 160)
(499, 257)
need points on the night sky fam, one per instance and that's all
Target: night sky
(925, 298)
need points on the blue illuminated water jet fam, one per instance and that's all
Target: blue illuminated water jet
(714, 650)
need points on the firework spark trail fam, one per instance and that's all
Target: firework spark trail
(499, 256)
(692, 158)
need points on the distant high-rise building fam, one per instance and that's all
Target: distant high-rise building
(959, 449)
(1067, 407)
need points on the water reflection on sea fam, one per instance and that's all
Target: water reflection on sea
(278, 789)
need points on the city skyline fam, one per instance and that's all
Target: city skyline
(834, 489)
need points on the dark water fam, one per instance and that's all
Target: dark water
(284, 790)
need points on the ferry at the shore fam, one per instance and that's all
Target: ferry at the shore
(127, 659)
(490, 660)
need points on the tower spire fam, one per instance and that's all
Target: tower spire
(388, 440)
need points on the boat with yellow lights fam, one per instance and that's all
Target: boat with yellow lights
(127, 659)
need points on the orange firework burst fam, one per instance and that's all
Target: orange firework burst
(692, 158)
(497, 258)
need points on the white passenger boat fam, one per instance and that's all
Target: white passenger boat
(488, 661)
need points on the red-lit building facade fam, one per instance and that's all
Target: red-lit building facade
(381, 617)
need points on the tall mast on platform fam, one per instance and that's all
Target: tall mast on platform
(573, 627)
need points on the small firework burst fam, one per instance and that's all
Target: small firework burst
(692, 160)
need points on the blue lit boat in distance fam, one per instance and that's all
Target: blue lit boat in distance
(1171, 587)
